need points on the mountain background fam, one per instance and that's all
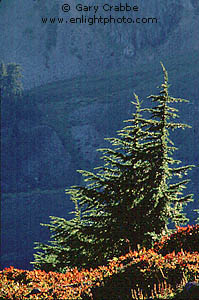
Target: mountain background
(78, 83)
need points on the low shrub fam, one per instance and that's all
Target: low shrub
(186, 238)
(157, 272)
(135, 271)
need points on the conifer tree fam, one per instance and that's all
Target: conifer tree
(10, 81)
(132, 197)
(3, 75)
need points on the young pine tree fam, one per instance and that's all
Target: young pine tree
(10, 81)
(3, 74)
(130, 200)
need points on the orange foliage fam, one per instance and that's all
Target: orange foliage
(147, 267)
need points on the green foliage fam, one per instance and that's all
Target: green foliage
(197, 210)
(132, 197)
(3, 74)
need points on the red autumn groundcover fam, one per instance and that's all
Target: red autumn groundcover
(141, 269)
(186, 238)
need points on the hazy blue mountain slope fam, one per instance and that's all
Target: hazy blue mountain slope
(49, 52)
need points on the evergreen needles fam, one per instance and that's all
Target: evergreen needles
(128, 201)
(10, 81)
